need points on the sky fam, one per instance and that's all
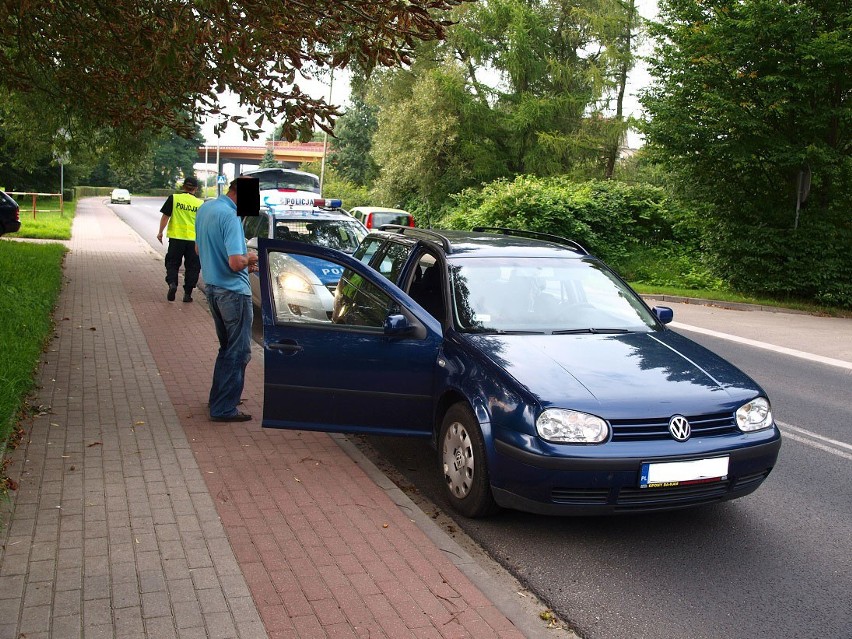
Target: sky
(638, 79)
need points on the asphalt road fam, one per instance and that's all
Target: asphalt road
(777, 563)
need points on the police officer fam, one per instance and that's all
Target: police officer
(179, 214)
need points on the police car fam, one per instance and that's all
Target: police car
(307, 283)
(278, 186)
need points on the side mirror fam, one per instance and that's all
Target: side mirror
(664, 314)
(398, 326)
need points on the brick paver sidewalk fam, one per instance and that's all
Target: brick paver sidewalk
(137, 517)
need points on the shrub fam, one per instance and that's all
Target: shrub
(813, 262)
(609, 218)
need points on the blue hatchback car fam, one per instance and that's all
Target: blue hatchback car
(545, 383)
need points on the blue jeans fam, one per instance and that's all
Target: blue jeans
(232, 314)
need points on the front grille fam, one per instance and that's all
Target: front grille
(629, 499)
(648, 498)
(631, 430)
(585, 496)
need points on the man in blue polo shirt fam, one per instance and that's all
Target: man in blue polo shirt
(226, 264)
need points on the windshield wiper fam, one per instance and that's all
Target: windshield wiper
(497, 331)
(594, 331)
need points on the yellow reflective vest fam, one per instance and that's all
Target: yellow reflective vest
(182, 219)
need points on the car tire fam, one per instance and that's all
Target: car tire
(463, 465)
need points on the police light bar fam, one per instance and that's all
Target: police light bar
(332, 204)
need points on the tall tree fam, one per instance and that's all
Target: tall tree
(750, 95)
(132, 66)
(173, 157)
(353, 134)
(555, 60)
(268, 161)
(621, 26)
(435, 142)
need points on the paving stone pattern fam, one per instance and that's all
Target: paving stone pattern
(137, 517)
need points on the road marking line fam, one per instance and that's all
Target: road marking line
(770, 347)
(808, 433)
(810, 442)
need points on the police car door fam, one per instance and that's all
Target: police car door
(367, 364)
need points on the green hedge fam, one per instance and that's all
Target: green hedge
(105, 191)
(813, 262)
(607, 217)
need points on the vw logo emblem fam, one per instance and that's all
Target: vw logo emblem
(679, 428)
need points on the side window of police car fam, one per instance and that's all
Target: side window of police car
(250, 227)
(262, 225)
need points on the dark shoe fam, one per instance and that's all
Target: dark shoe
(187, 297)
(172, 292)
(239, 403)
(236, 417)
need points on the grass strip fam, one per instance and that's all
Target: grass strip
(29, 288)
(46, 225)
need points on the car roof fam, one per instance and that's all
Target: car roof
(378, 209)
(486, 242)
(275, 168)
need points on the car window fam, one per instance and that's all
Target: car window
(275, 179)
(543, 295)
(390, 262)
(402, 219)
(367, 249)
(356, 302)
(262, 226)
(427, 286)
(360, 303)
(342, 235)
(250, 226)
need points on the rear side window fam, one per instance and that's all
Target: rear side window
(391, 218)
(391, 261)
(368, 249)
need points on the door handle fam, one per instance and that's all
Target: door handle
(286, 347)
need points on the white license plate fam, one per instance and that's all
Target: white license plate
(670, 474)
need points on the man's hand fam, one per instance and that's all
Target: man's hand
(252, 263)
(160, 237)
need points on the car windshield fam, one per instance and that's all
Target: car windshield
(543, 295)
(342, 235)
(283, 179)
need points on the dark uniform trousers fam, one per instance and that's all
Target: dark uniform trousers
(182, 251)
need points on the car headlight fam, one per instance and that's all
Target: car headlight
(294, 283)
(755, 415)
(571, 427)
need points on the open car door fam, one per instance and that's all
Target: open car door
(364, 364)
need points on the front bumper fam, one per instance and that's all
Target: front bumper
(584, 486)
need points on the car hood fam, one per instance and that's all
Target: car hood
(618, 376)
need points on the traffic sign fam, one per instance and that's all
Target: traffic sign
(221, 179)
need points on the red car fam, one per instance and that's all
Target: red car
(374, 216)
